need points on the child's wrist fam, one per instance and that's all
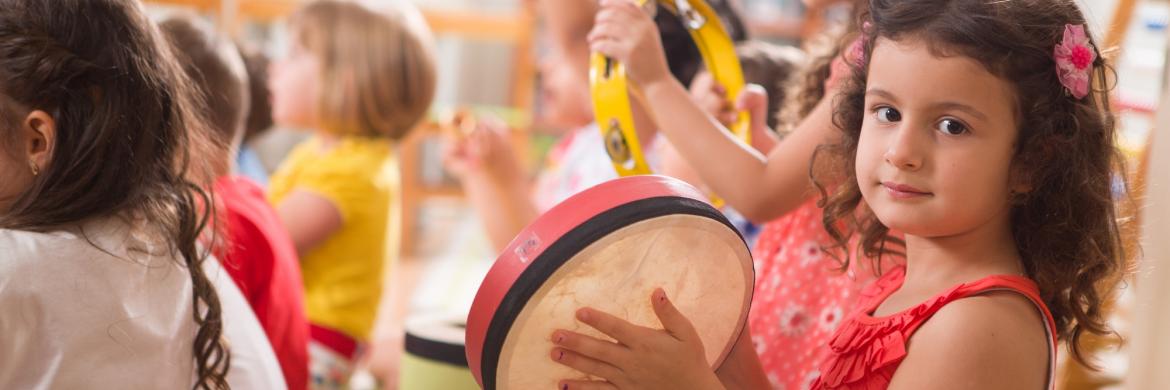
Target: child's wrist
(652, 89)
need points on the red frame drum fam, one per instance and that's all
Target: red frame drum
(608, 248)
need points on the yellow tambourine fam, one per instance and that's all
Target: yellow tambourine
(611, 97)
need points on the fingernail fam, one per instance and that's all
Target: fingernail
(564, 386)
(583, 314)
(559, 337)
(560, 355)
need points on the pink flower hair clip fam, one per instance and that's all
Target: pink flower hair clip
(1074, 60)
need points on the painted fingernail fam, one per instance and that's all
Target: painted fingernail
(560, 337)
(560, 355)
(564, 386)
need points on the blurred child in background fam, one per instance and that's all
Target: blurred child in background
(361, 81)
(255, 248)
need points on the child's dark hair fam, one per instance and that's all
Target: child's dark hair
(216, 71)
(770, 66)
(1066, 228)
(260, 111)
(682, 56)
(122, 111)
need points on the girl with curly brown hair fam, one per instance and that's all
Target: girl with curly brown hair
(981, 131)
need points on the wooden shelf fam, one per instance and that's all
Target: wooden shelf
(199, 4)
(503, 27)
(267, 10)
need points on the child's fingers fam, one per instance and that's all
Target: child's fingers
(622, 331)
(585, 364)
(604, 17)
(754, 99)
(494, 123)
(673, 320)
(602, 350)
(623, 5)
(586, 385)
(608, 48)
(606, 32)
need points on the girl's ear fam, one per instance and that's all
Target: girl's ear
(1019, 180)
(40, 136)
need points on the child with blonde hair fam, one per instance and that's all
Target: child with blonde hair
(361, 80)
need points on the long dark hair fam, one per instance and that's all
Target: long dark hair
(123, 111)
(1067, 228)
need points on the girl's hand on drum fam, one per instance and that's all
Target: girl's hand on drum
(642, 358)
(624, 32)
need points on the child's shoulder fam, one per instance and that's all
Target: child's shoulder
(1000, 332)
(23, 249)
(352, 157)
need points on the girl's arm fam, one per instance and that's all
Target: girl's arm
(504, 206)
(742, 370)
(759, 187)
(309, 218)
(494, 181)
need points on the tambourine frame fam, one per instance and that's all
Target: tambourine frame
(611, 93)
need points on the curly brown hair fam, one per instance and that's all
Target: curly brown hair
(1067, 227)
(126, 128)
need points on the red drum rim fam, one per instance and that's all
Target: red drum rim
(553, 238)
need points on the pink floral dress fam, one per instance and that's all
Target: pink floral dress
(801, 297)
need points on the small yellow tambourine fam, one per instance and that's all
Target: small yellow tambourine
(611, 97)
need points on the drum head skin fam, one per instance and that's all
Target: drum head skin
(608, 248)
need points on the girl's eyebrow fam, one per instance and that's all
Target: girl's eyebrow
(881, 93)
(961, 107)
(945, 105)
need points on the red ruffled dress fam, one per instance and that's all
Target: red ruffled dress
(866, 351)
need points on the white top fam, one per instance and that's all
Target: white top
(579, 161)
(84, 311)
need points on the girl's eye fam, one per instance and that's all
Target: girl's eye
(952, 127)
(888, 115)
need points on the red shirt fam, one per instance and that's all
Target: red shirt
(262, 260)
(867, 350)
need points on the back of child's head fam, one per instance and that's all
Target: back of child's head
(770, 66)
(377, 69)
(1065, 226)
(216, 71)
(259, 118)
(808, 87)
(120, 112)
(682, 55)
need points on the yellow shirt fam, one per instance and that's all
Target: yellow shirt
(343, 274)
